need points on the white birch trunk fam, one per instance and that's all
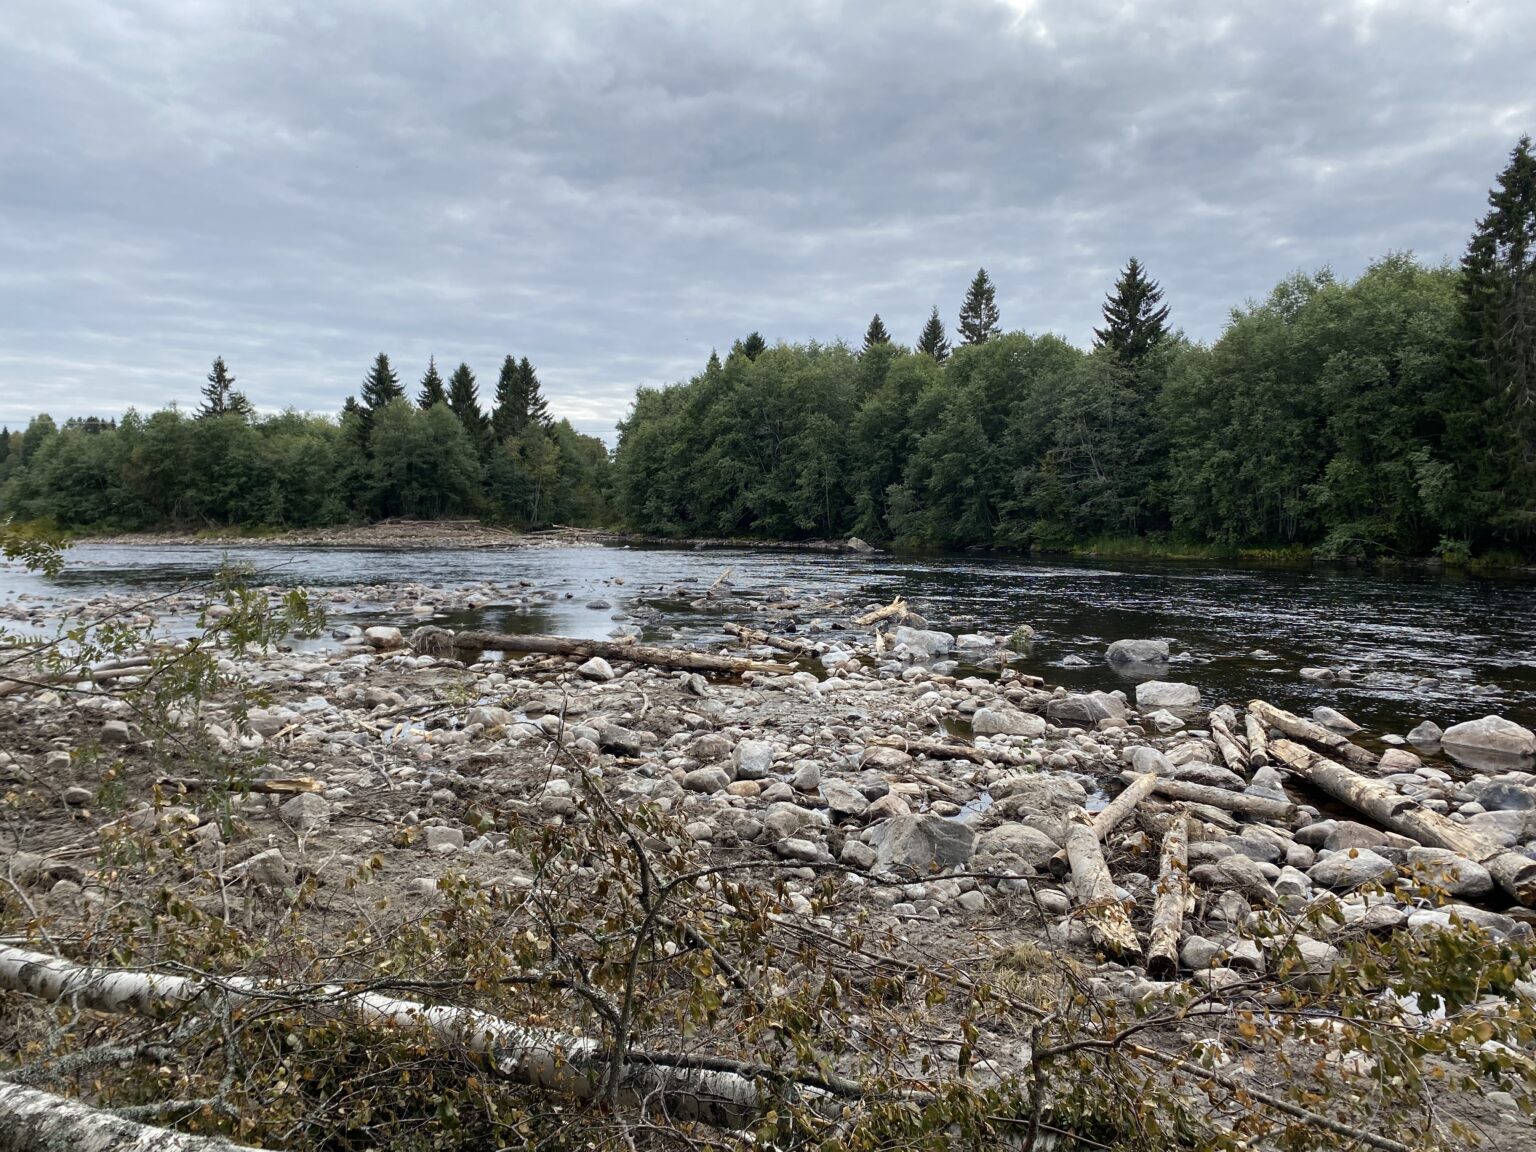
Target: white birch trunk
(33, 1121)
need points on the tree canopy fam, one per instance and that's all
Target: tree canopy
(1135, 320)
(432, 391)
(979, 317)
(933, 341)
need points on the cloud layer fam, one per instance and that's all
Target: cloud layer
(613, 188)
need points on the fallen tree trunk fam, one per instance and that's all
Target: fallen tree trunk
(575, 1065)
(1172, 896)
(1261, 807)
(896, 608)
(1112, 815)
(758, 636)
(1258, 740)
(1513, 872)
(1312, 733)
(937, 750)
(1095, 889)
(33, 1121)
(468, 646)
(286, 786)
(1227, 745)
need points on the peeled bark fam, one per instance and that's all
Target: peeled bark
(33, 1121)
(938, 750)
(1172, 898)
(758, 636)
(1112, 815)
(897, 608)
(1095, 890)
(1512, 871)
(1312, 733)
(1261, 807)
(1258, 740)
(468, 646)
(1227, 745)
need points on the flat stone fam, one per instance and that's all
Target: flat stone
(1346, 834)
(306, 810)
(1491, 734)
(795, 848)
(116, 732)
(843, 798)
(883, 758)
(1351, 869)
(1398, 760)
(1029, 844)
(1332, 718)
(1443, 868)
(857, 854)
(1132, 652)
(924, 642)
(1166, 694)
(753, 759)
(384, 637)
(708, 779)
(437, 837)
(1006, 722)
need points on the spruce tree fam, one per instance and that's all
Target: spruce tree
(219, 395)
(507, 415)
(933, 339)
(1498, 295)
(753, 346)
(876, 333)
(532, 405)
(1133, 321)
(712, 367)
(979, 315)
(431, 387)
(381, 385)
(464, 400)
(5, 443)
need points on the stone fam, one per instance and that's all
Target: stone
(857, 854)
(1347, 834)
(439, 838)
(1317, 674)
(1446, 869)
(1330, 718)
(1166, 694)
(1029, 844)
(78, 797)
(807, 777)
(596, 669)
(1426, 734)
(1238, 873)
(923, 844)
(1491, 734)
(617, 739)
(883, 758)
(795, 848)
(924, 642)
(116, 732)
(753, 759)
(1147, 759)
(843, 798)
(490, 717)
(384, 637)
(973, 901)
(1006, 722)
(700, 830)
(1210, 775)
(1077, 710)
(1165, 721)
(1052, 901)
(1131, 652)
(1398, 760)
(783, 819)
(1506, 829)
(1351, 869)
(709, 779)
(306, 810)
(1507, 795)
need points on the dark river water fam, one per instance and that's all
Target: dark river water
(1422, 645)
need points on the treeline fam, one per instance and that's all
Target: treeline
(1394, 415)
(436, 454)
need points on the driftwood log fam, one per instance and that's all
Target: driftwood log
(1260, 807)
(468, 646)
(938, 750)
(1226, 743)
(758, 636)
(285, 786)
(1513, 872)
(1312, 733)
(896, 609)
(1095, 889)
(1112, 815)
(1172, 899)
(1258, 740)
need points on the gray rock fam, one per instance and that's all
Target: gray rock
(1397, 760)
(709, 779)
(489, 717)
(1029, 844)
(783, 820)
(78, 797)
(843, 798)
(807, 777)
(1426, 735)
(1446, 869)
(1330, 718)
(306, 810)
(384, 637)
(1491, 734)
(439, 838)
(857, 854)
(1507, 795)
(883, 758)
(1211, 775)
(1131, 652)
(1147, 759)
(1165, 721)
(1351, 869)
(753, 759)
(1506, 829)
(973, 901)
(1052, 901)
(596, 669)
(795, 848)
(1317, 674)
(1006, 722)
(1347, 834)
(1076, 710)
(923, 844)
(617, 739)
(269, 869)
(116, 732)
(1166, 694)
(1238, 873)
(924, 642)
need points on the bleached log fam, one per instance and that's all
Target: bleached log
(1162, 956)
(1112, 815)
(938, 750)
(34, 1121)
(1227, 745)
(897, 608)
(558, 1061)
(285, 786)
(758, 636)
(1260, 807)
(1512, 871)
(1311, 733)
(469, 645)
(1258, 740)
(1095, 889)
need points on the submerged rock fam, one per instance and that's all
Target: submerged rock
(1490, 734)
(1128, 652)
(1166, 694)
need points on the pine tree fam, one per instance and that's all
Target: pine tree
(1498, 294)
(431, 387)
(534, 408)
(979, 315)
(5, 443)
(1133, 322)
(933, 340)
(382, 385)
(753, 346)
(219, 395)
(507, 417)
(876, 333)
(464, 400)
(712, 368)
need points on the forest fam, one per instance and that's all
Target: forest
(1388, 416)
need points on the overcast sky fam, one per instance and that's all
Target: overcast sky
(614, 188)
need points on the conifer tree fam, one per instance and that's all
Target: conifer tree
(431, 387)
(753, 346)
(1133, 321)
(507, 415)
(5, 443)
(712, 368)
(979, 315)
(876, 333)
(532, 405)
(933, 340)
(381, 385)
(464, 400)
(219, 395)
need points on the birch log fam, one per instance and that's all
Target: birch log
(33, 1121)
(1172, 898)
(1095, 889)
(1112, 815)
(758, 636)
(1311, 733)
(1261, 807)
(1258, 740)
(558, 1061)
(1512, 871)
(1227, 745)
(469, 645)
(897, 608)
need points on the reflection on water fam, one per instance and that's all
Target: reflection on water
(1421, 644)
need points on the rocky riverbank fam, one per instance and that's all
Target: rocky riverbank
(877, 787)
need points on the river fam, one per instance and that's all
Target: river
(1432, 645)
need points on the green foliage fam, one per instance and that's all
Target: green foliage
(876, 333)
(219, 395)
(979, 315)
(432, 391)
(1134, 322)
(933, 341)
(753, 346)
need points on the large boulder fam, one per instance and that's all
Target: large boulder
(925, 642)
(1077, 710)
(1006, 722)
(1166, 694)
(1029, 844)
(1449, 870)
(1352, 868)
(923, 844)
(1491, 734)
(1131, 652)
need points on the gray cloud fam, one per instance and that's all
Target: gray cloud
(613, 188)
